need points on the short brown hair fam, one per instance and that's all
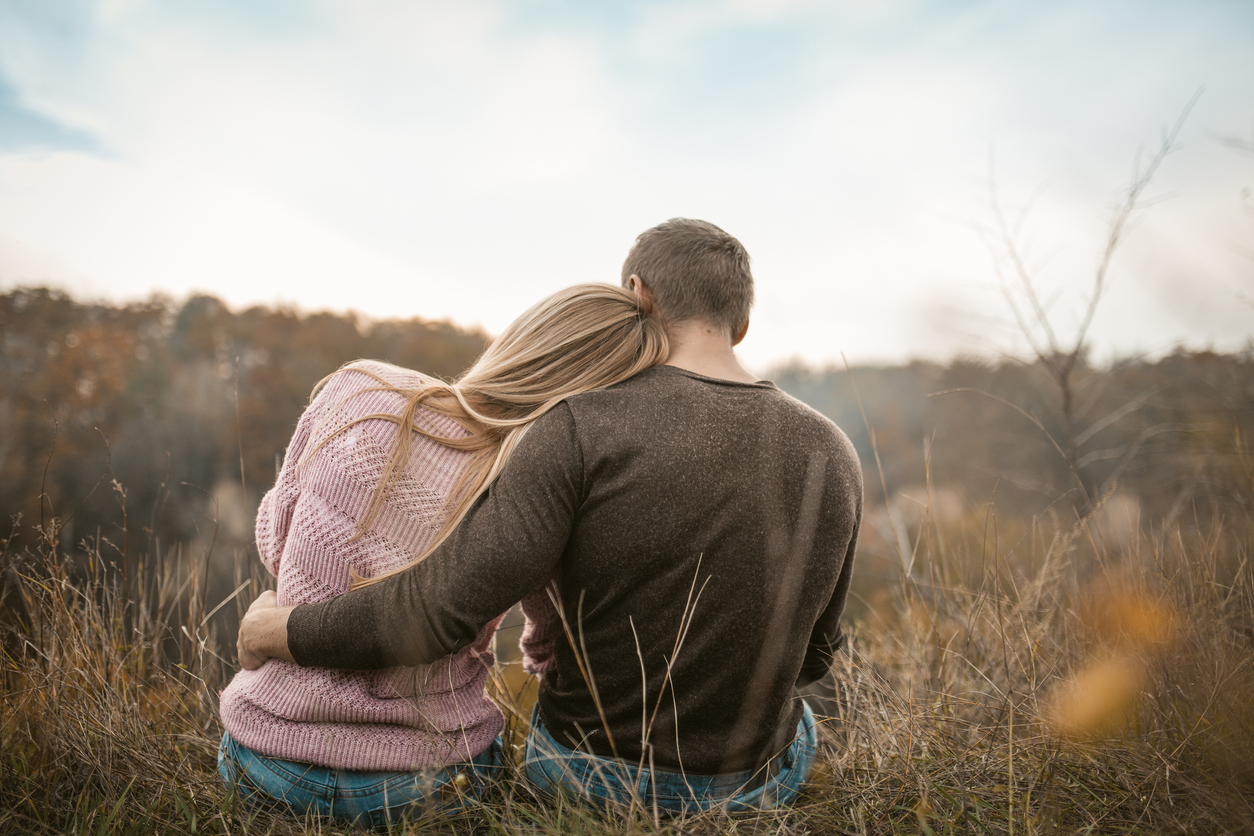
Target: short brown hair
(693, 270)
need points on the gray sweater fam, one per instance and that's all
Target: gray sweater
(702, 534)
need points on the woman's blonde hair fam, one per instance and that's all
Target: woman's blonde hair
(584, 337)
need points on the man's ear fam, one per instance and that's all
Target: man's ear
(740, 335)
(636, 286)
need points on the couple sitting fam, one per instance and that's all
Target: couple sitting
(680, 534)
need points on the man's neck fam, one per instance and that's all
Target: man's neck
(706, 350)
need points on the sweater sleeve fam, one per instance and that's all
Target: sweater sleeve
(274, 516)
(543, 626)
(508, 544)
(828, 637)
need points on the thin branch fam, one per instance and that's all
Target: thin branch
(1008, 249)
(1126, 451)
(1132, 200)
(1035, 422)
(1129, 407)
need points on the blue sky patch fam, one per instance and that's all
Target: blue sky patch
(23, 129)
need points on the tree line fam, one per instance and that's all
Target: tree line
(124, 422)
(133, 415)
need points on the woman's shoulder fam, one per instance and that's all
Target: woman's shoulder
(362, 376)
(370, 385)
(366, 387)
(382, 372)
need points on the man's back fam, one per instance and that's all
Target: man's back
(697, 526)
(715, 531)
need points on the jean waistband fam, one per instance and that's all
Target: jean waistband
(744, 781)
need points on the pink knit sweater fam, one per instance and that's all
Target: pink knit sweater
(397, 719)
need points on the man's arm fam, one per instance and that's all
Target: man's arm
(508, 544)
(828, 636)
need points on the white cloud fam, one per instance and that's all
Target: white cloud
(446, 160)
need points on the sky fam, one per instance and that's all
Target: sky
(460, 160)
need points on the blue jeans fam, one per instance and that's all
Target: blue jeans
(366, 798)
(554, 768)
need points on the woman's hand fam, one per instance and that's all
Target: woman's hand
(263, 632)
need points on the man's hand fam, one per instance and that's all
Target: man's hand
(263, 632)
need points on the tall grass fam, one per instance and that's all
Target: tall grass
(1017, 676)
(1076, 686)
(108, 694)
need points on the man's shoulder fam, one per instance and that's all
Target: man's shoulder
(805, 414)
(651, 392)
(811, 426)
(642, 387)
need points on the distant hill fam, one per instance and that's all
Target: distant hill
(169, 399)
(1175, 433)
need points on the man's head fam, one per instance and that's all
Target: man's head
(693, 270)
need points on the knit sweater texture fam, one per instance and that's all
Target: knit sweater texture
(398, 718)
(699, 534)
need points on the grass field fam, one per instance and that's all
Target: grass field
(1017, 677)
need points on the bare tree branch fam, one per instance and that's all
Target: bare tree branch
(1128, 408)
(1118, 227)
(1036, 422)
(1017, 276)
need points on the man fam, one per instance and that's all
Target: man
(699, 527)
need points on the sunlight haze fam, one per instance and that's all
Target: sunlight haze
(461, 160)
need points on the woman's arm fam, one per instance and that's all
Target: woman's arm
(541, 630)
(274, 516)
(509, 543)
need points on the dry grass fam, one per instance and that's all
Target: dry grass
(1116, 699)
(1053, 682)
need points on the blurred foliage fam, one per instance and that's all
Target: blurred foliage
(1174, 434)
(147, 394)
(137, 418)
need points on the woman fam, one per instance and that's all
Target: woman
(383, 465)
